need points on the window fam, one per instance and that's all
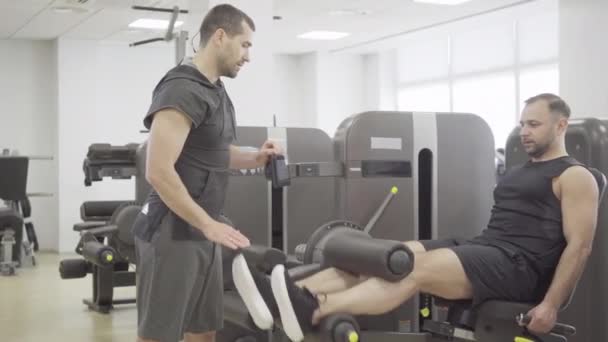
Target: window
(432, 97)
(473, 65)
(537, 80)
(423, 60)
(483, 48)
(490, 97)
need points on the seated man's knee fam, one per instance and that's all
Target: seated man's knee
(415, 246)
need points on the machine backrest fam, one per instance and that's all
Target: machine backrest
(13, 177)
(600, 178)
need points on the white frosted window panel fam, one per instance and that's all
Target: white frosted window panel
(433, 97)
(537, 80)
(491, 97)
(538, 37)
(482, 48)
(420, 60)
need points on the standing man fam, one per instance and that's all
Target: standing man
(192, 129)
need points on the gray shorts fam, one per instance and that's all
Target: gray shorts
(179, 286)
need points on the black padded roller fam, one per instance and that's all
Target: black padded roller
(358, 253)
(339, 328)
(98, 253)
(264, 258)
(99, 210)
(73, 268)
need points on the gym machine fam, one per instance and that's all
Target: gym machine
(445, 180)
(106, 242)
(14, 251)
(349, 247)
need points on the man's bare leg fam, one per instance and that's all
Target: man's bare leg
(330, 280)
(415, 246)
(204, 337)
(333, 280)
(438, 272)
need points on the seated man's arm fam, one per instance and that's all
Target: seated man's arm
(579, 201)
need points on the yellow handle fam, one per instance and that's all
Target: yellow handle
(522, 339)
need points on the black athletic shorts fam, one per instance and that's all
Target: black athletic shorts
(494, 273)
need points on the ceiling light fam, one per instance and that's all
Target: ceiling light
(68, 9)
(157, 24)
(323, 35)
(443, 2)
(347, 12)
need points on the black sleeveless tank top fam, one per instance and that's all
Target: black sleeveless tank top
(527, 216)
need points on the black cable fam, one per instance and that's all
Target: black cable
(192, 41)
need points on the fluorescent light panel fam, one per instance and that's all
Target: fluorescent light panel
(443, 2)
(153, 24)
(323, 35)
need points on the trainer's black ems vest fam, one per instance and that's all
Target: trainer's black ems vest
(203, 165)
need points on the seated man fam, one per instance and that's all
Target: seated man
(534, 249)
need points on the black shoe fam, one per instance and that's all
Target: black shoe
(247, 288)
(296, 305)
(262, 282)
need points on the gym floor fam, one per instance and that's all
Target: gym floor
(37, 305)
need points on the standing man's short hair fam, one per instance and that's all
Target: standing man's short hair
(556, 104)
(226, 17)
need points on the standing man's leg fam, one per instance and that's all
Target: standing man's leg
(204, 337)
(179, 287)
(207, 315)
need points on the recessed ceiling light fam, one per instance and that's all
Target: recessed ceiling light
(323, 35)
(157, 24)
(443, 2)
(68, 9)
(346, 12)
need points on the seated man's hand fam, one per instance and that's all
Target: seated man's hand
(543, 318)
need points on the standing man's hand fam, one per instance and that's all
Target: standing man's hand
(270, 148)
(225, 235)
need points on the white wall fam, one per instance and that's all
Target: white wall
(104, 92)
(294, 81)
(583, 55)
(322, 89)
(295, 99)
(341, 89)
(28, 123)
(380, 72)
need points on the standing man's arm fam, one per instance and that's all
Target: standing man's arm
(240, 159)
(579, 200)
(168, 133)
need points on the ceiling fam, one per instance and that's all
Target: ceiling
(365, 20)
